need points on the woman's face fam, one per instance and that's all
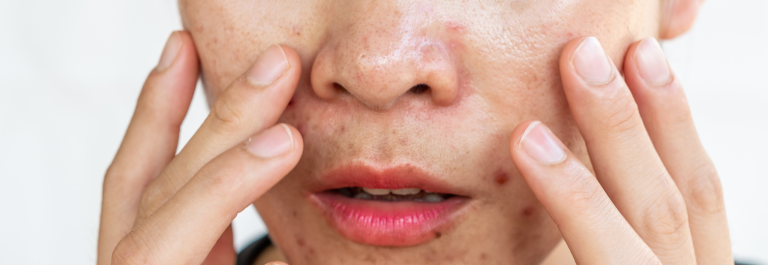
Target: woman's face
(412, 94)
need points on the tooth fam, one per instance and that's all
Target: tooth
(363, 195)
(376, 191)
(407, 191)
(433, 198)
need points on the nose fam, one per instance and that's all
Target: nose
(380, 59)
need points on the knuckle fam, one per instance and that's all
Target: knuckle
(129, 251)
(585, 194)
(225, 182)
(227, 113)
(666, 220)
(705, 192)
(622, 116)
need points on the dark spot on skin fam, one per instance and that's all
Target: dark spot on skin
(290, 103)
(300, 241)
(438, 234)
(483, 256)
(295, 214)
(528, 211)
(501, 177)
(343, 128)
(311, 251)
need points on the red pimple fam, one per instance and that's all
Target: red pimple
(528, 211)
(501, 177)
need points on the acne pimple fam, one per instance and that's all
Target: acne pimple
(528, 211)
(300, 241)
(501, 177)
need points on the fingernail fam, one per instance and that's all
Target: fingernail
(269, 67)
(540, 144)
(171, 50)
(272, 142)
(652, 63)
(591, 62)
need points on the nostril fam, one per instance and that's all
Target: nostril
(339, 88)
(420, 88)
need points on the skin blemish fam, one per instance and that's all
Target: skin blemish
(528, 211)
(455, 27)
(300, 241)
(483, 256)
(438, 235)
(501, 177)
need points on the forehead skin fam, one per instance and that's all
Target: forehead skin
(503, 56)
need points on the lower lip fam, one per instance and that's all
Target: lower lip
(389, 223)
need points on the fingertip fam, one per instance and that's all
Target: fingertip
(294, 60)
(298, 140)
(566, 56)
(518, 133)
(538, 142)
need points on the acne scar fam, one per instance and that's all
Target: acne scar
(501, 177)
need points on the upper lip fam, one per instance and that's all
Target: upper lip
(385, 177)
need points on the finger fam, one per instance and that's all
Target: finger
(223, 252)
(624, 160)
(150, 141)
(250, 104)
(593, 228)
(667, 117)
(187, 226)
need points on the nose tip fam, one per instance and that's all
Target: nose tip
(378, 79)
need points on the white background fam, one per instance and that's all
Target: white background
(70, 73)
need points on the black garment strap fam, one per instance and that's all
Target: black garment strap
(252, 252)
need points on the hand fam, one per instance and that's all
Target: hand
(655, 197)
(163, 208)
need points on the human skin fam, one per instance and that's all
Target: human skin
(503, 56)
(489, 68)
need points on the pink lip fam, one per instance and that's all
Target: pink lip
(387, 223)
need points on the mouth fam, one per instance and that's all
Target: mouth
(395, 206)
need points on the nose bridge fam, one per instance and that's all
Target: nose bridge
(380, 57)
